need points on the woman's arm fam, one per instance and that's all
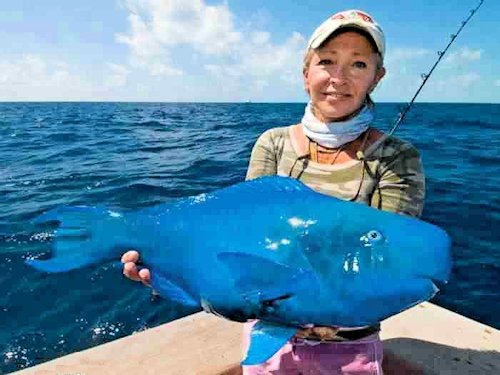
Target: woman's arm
(263, 160)
(401, 186)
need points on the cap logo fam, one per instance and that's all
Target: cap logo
(354, 14)
(365, 17)
(338, 16)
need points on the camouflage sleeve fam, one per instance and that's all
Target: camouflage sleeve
(401, 186)
(263, 160)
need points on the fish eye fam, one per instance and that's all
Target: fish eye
(374, 235)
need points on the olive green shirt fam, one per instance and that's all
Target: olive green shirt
(391, 178)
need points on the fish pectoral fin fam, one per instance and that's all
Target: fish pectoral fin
(265, 340)
(258, 277)
(172, 291)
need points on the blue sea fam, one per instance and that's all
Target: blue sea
(133, 155)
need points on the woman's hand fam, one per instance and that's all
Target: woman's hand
(130, 270)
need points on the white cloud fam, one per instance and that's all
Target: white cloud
(463, 55)
(30, 77)
(147, 50)
(260, 37)
(11, 16)
(141, 40)
(458, 81)
(159, 69)
(405, 66)
(260, 85)
(34, 71)
(159, 30)
(35, 77)
(266, 59)
(406, 53)
(158, 27)
(468, 79)
(497, 83)
(263, 60)
(118, 75)
(224, 71)
(400, 61)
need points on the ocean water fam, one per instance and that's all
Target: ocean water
(133, 155)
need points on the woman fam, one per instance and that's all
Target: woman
(335, 151)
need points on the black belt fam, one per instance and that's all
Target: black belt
(356, 334)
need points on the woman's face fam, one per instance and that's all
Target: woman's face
(340, 75)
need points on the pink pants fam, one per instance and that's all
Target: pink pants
(297, 357)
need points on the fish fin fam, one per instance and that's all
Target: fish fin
(85, 235)
(258, 277)
(265, 340)
(172, 291)
(71, 216)
(60, 264)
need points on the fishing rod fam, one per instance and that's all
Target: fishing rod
(425, 77)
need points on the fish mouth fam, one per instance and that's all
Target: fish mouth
(439, 282)
(432, 284)
(273, 301)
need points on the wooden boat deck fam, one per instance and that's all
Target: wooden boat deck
(426, 339)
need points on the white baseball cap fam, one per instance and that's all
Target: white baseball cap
(348, 18)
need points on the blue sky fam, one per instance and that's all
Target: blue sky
(231, 51)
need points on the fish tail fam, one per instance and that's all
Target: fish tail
(84, 236)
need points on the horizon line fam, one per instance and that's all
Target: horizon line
(214, 102)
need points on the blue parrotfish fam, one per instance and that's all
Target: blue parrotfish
(271, 249)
